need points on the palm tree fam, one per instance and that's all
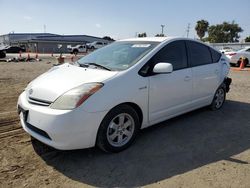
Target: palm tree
(201, 28)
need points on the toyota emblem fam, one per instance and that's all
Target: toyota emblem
(30, 91)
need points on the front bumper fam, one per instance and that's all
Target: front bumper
(61, 129)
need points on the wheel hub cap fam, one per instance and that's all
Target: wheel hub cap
(120, 130)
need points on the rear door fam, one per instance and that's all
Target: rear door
(206, 73)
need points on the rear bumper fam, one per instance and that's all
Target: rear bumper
(233, 61)
(228, 82)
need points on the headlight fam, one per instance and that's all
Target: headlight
(76, 96)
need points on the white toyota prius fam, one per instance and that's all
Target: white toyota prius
(112, 93)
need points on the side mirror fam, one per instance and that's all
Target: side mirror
(162, 67)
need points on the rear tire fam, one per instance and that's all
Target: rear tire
(219, 98)
(75, 52)
(246, 62)
(118, 129)
(238, 63)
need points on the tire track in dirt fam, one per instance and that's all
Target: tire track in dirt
(9, 124)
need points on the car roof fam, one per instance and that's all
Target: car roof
(164, 39)
(149, 39)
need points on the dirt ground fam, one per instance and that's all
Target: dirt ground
(199, 149)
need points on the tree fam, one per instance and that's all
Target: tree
(225, 32)
(216, 34)
(108, 38)
(201, 28)
(247, 39)
(160, 35)
(142, 34)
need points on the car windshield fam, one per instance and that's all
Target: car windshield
(246, 49)
(118, 56)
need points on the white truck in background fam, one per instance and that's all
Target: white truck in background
(95, 45)
(80, 48)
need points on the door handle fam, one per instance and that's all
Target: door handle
(187, 78)
(216, 71)
(143, 87)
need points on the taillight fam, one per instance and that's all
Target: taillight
(231, 54)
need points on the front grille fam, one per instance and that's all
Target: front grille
(38, 101)
(38, 131)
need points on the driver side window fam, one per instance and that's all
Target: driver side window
(174, 53)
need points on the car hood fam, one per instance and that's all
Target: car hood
(53, 83)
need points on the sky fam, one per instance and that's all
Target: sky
(120, 19)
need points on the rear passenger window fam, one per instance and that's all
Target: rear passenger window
(174, 53)
(215, 55)
(199, 54)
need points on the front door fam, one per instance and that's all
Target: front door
(170, 94)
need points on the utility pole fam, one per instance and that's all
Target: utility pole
(188, 28)
(44, 28)
(162, 27)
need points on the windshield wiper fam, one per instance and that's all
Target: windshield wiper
(97, 65)
(83, 65)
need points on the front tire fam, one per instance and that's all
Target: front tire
(219, 98)
(118, 129)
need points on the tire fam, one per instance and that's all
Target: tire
(219, 98)
(92, 47)
(238, 63)
(245, 62)
(118, 129)
(2, 54)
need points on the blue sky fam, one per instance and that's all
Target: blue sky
(119, 19)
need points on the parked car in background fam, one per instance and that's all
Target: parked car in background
(226, 48)
(228, 51)
(95, 45)
(77, 49)
(113, 92)
(237, 57)
(15, 49)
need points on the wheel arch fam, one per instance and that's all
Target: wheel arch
(245, 58)
(75, 50)
(130, 104)
(135, 107)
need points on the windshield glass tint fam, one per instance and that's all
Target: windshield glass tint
(119, 55)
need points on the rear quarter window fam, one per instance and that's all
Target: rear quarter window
(215, 55)
(199, 54)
